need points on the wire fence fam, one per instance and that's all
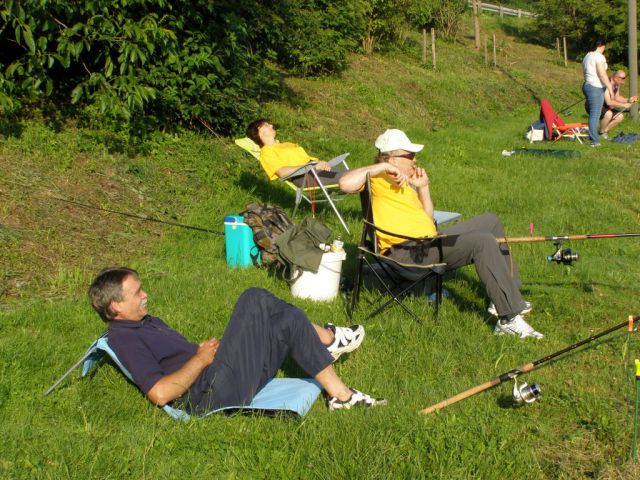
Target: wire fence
(501, 10)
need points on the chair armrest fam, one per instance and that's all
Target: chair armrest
(300, 171)
(334, 162)
(440, 217)
(431, 266)
(406, 237)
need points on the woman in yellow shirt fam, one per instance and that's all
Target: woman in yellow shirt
(282, 159)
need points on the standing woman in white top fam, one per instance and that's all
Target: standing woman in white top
(596, 81)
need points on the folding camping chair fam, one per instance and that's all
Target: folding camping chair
(556, 128)
(397, 279)
(289, 395)
(331, 192)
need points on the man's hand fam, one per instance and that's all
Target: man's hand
(419, 178)
(175, 384)
(323, 166)
(395, 174)
(207, 351)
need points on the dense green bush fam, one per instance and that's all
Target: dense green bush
(158, 63)
(585, 22)
(317, 36)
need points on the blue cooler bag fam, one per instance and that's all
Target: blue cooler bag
(238, 241)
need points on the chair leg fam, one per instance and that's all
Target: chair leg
(333, 205)
(298, 199)
(394, 298)
(438, 294)
(357, 284)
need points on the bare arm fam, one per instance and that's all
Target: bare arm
(617, 100)
(420, 180)
(353, 180)
(601, 70)
(175, 384)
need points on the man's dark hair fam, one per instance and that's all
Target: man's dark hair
(600, 42)
(252, 130)
(107, 288)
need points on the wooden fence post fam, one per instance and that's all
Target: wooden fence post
(495, 59)
(476, 22)
(564, 44)
(558, 46)
(433, 47)
(486, 52)
(424, 46)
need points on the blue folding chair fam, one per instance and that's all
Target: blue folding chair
(292, 395)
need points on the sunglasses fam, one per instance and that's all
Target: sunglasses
(410, 156)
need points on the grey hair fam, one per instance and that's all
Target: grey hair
(107, 288)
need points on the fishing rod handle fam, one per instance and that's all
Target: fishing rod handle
(477, 389)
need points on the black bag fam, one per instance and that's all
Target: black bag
(268, 222)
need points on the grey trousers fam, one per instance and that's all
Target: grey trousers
(474, 242)
(327, 178)
(262, 331)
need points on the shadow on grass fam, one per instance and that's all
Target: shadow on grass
(9, 127)
(527, 32)
(280, 194)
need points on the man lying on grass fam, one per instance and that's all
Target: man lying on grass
(402, 205)
(218, 373)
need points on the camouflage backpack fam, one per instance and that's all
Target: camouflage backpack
(267, 222)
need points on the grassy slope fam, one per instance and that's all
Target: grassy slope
(466, 114)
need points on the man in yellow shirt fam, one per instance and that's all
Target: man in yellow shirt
(282, 159)
(402, 204)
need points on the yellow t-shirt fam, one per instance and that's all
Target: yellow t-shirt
(398, 210)
(274, 157)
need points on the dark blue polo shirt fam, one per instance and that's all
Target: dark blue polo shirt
(149, 349)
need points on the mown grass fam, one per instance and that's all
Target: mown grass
(102, 427)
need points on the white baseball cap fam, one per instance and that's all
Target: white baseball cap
(394, 139)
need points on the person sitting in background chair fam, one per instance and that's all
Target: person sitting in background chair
(402, 205)
(282, 159)
(614, 105)
(216, 373)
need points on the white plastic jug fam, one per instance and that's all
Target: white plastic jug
(323, 285)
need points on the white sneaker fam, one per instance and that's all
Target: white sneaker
(604, 135)
(492, 309)
(516, 326)
(346, 339)
(357, 399)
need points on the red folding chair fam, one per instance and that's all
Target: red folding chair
(556, 128)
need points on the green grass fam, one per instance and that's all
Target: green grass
(101, 427)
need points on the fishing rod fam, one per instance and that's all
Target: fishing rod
(563, 256)
(564, 110)
(138, 216)
(523, 393)
(562, 238)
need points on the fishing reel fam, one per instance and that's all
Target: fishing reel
(564, 256)
(525, 393)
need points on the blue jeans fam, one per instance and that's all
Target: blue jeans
(595, 99)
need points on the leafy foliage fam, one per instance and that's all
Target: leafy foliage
(155, 63)
(585, 22)
(317, 36)
(443, 15)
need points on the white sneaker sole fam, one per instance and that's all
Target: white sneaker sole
(338, 352)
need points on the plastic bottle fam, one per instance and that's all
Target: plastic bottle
(337, 245)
